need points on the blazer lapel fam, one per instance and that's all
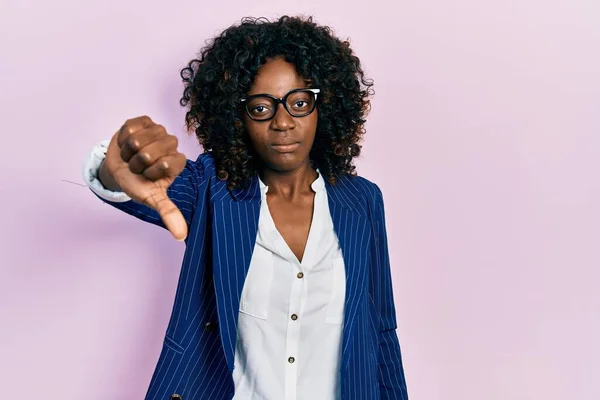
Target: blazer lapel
(354, 233)
(234, 229)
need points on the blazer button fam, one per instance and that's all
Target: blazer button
(176, 397)
(210, 326)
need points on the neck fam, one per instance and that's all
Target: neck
(289, 183)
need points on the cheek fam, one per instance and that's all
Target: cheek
(257, 133)
(314, 120)
(311, 126)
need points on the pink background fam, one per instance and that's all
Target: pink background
(484, 137)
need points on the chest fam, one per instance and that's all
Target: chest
(234, 232)
(311, 283)
(293, 221)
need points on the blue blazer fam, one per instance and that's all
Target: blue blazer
(196, 361)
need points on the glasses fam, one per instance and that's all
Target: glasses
(297, 102)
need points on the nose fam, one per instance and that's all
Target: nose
(282, 121)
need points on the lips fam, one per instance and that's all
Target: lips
(285, 147)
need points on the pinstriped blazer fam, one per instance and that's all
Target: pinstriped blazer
(196, 361)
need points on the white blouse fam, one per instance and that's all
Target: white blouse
(291, 313)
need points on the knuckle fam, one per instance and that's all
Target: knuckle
(128, 129)
(133, 143)
(152, 173)
(144, 157)
(159, 130)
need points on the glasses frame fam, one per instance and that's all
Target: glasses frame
(280, 100)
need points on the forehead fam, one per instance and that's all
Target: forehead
(277, 77)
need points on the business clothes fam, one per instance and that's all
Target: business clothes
(291, 312)
(199, 349)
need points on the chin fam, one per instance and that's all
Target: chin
(286, 162)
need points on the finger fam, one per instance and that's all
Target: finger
(170, 215)
(140, 139)
(174, 221)
(167, 166)
(150, 153)
(131, 126)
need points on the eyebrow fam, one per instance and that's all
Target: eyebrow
(271, 94)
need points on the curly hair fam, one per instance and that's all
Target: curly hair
(226, 68)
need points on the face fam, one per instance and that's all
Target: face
(283, 143)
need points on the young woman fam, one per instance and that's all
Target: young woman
(285, 289)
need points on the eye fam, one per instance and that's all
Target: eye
(260, 110)
(300, 104)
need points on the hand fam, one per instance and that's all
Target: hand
(142, 159)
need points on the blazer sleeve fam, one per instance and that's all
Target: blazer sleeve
(392, 381)
(184, 190)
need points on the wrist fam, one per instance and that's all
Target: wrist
(106, 178)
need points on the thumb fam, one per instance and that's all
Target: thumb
(170, 215)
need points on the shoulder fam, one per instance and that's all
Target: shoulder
(357, 193)
(204, 166)
(360, 187)
(206, 160)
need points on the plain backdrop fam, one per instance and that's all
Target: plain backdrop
(484, 137)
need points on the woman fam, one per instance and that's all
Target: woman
(285, 289)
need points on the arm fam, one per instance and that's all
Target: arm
(183, 191)
(392, 382)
